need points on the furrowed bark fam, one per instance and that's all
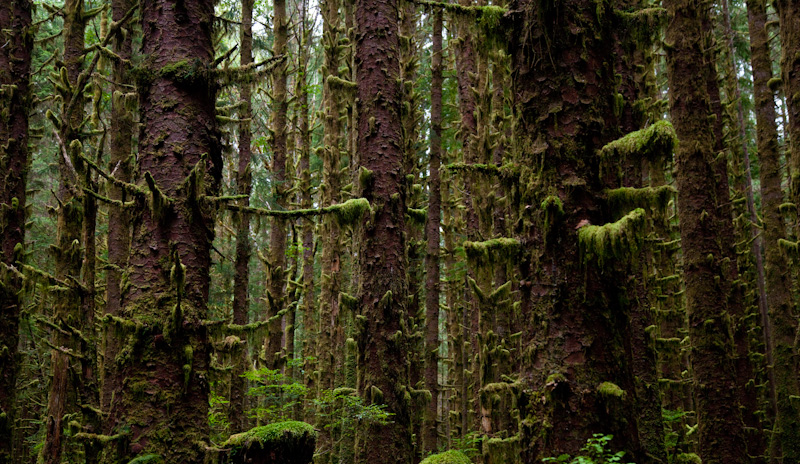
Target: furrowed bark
(432, 287)
(162, 371)
(15, 64)
(278, 235)
(69, 241)
(381, 260)
(721, 438)
(241, 279)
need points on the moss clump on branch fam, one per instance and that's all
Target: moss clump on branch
(492, 250)
(617, 240)
(626, 198)
(290, 442)
(448, 457)
(610, 389)
(651, 143)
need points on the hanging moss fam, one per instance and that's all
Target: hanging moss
(627, 198)
(501, 450)
(644, 23)
(349, 212)
(653, 143)
(616, 240)
(688, 458)
(290, 442)
(492, 250)
(417, 216)
(448, 457)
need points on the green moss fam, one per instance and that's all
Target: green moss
(626, 198)
(688, 458)
(417, 216)
(555, 379)
(644, 23)
(448, 457)
(652, 143)
(272, 434)
(349, 212)
(492, 250)
(501, 450)
(610, 389)
(616, 240)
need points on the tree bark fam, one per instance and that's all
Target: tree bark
(432, 287)
(381, 256)
(721, 438)
(15, 64)
(162, 371)
(782, 322)
(576, 358)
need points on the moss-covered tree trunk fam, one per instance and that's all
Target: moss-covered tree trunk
(15, 64)
(576, 366)
(782, 323)
(721, 434)
(241, 278)
(68, 251)
(789, 16)
(162, 370)
(277, 257)
(430, 428)
(331, 263)
(381, 255)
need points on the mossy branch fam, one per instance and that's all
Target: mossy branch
(347, 213)
(615, 240)
(626, 198)
(653, 143)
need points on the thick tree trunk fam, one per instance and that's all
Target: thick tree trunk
(162, 371)
(721, 430)
(15, 64)
(241, 278)
(381, 263)
(431, 425)
(564, 92)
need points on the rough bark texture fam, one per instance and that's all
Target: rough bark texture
(330, 277)
(747, 393)
(381, 263)
(432, 293)
(162, 370)
(69, 241)
(121, 165)
(15, 64)
(721, 437)
(576, 364)
(277, 272)
(241, 278)
(784, 314)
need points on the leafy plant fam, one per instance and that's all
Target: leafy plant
(593, 452)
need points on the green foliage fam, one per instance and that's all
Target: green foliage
(595, 451)
(272, 433)
(277, 394)
(342, 405)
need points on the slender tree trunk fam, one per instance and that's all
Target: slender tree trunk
(277, 271)
(241, 278)
(381, 263)
(69, 244)
(15, 64)
(162, 371)
(432, 287)
(721, 432)
(782, 321)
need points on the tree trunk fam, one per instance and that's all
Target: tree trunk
(430, 428)
(241, 279)
(577, 358)
(69, 241)
(381, 263)
(277, 271)
(15, 64)
(162, 371)
(782, 323)
(721, 431)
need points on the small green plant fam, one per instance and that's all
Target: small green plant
(277, 393)
(593, 452)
